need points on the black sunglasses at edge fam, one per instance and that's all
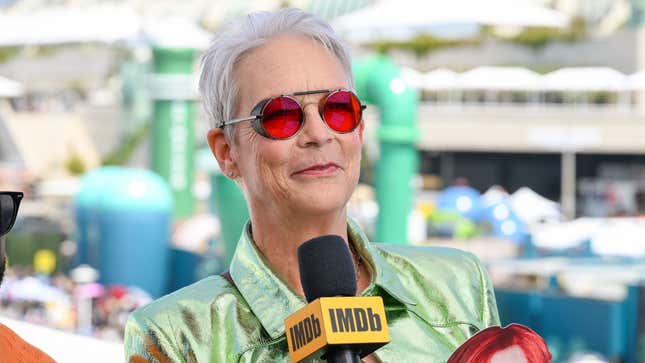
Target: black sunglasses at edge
(282, 117)
(9, 204)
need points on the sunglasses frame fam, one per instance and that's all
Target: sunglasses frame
(258, 112)
(16, 197)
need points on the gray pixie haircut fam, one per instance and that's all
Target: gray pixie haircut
(217, 83)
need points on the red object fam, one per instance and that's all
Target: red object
(481, 347)
(118, 291)
(282, 117)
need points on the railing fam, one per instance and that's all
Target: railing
(522, 111)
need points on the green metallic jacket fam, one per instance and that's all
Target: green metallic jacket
(435, 298)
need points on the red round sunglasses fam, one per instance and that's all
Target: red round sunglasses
(280, 118)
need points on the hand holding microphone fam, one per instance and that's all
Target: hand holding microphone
(336, 325)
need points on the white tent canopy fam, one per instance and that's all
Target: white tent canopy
(175, 32)
(400, 19)
(68, 25)
(636, 81)
(607, 236)
(620, 237)
(9, 88)
(534, 208)
(413, 77)
(499, 78)
(436, 80)
(440, 79)
(569, 79)
(564, 235)
(585, 79)
(100, 23)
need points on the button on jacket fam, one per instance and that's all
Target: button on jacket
(435, 299)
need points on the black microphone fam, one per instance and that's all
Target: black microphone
(336, 325)
(326, 268)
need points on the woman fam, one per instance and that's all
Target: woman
(514, 343)
(287, 128)
(12, 347)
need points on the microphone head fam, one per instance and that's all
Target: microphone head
(326, 268)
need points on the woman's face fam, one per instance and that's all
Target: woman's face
(512, 354)
(314, 172)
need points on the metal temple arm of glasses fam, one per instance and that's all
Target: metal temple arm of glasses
(236, 120)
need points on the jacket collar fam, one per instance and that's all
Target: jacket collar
(272, 300)
(382, 275)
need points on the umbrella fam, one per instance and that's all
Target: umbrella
(34, 289)
(463, 200)
(495, 194)
(91, 290)
(504, 222)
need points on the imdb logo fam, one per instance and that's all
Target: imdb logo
(328, 321)
(354, 320)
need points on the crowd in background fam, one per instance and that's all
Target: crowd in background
(55, 302)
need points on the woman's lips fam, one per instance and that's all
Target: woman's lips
(319, 170)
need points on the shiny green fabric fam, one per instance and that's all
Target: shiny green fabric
(435, 298)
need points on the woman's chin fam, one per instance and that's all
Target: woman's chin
(320, 204)
(321, 189)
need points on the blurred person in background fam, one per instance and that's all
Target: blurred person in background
(278, 89)
(12, 347)
(640, 202)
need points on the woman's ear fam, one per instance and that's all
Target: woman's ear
(221, 149)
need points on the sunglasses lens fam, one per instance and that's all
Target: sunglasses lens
(342, 111)
(282, 117)
(7, 213)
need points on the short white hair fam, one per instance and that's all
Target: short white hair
(217, 83)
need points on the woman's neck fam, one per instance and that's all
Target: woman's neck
(279, 236)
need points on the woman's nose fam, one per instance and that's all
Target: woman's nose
(315, 132)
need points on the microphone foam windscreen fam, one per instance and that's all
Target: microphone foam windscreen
(326, 268)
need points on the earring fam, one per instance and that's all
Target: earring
(231, 174)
